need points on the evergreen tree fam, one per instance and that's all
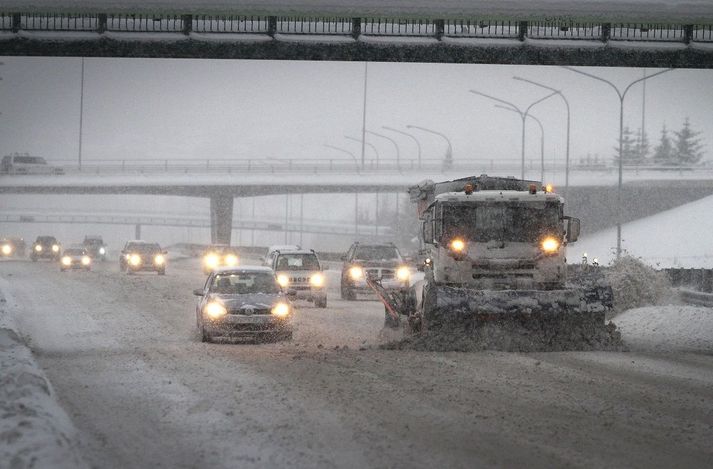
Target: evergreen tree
(688, 145)
(642, 147)
(663, 153)
(629, 150)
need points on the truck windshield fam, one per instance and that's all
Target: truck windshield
(500, 221)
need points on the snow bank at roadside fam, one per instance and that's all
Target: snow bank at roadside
(665, 328)
(34, 430)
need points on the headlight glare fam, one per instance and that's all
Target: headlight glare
(550, 245)
(134, 259)
(159, 259)
(457, 245)
(38, 248)
(281, 310)
(86, 260)
(102, 250)
(6, 249)
(55, 248)
(283, 280)
(231, 260)
(403, 273)
(316, 280)
(211, 260)
(356, 273)
(66, 260)
(215, 310)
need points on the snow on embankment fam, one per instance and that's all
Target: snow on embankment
(680, 237)
(666, 328)
(34, 430)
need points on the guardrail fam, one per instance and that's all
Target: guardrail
(696, 298)
(437, 29)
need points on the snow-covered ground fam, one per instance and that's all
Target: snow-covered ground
(680, 237)
(34, 430)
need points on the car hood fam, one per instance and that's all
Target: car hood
(254, 300)
(390, 263)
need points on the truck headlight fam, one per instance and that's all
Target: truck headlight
(550, 245)
(211, 261)
(215, 310)
(283, 280)
(38, 248)
(86, 260)
(403, 273)
(457, 245)
(231, 260)
(134, 259)
(159, 259)
(55, 248)
(66, 260)
(102, 250)
(317, 280)
(281, 310)
(6, 249)
(356, 273)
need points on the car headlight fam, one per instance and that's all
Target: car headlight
(550, 245)
(66, 260)
(281, 310)
(356, 273)
(6, 249)
(55, 248)
(134, 259)
(211, 261)
(317, 280)
(38, 248)
(403, 273)
(457, 245)
(231, 260)
(283, 280)
(86, 260)
(159, 259)
(102, 250)
(215, 310)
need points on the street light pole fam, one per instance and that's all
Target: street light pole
(363, 116)
(356, 163)
(371, 145)
(418, 144)
(449, 151)
(81, 113)
(523, 116)
(542, 139)
(566, 103)
(621, 96)
(396, 146)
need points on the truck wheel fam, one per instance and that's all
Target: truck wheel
(321, 302)
(348, 294)
(205, 337)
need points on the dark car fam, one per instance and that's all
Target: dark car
(12, 247)
(219, 255)
(94, 244)
(243, 303)
(140, 256)
(75, 258)
(378, 261)
(45, 247)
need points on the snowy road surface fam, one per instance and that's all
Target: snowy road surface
(143, 391)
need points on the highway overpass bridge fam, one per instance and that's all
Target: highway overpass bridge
(636, 33)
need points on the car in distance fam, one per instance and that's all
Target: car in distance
(382, 262)
(94, 244)
(243, 303)
(140, 256)
(45, 247)
(270, 254)
(300, 273)
(23, 163)
(219, 255)
(12, 247)
(75, 257)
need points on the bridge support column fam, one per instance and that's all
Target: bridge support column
(221, 218)
(137, 232)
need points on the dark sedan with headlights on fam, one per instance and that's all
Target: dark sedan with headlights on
(75, 258)
(140, 256)
(243, 303)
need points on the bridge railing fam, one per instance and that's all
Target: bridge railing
(299, 25)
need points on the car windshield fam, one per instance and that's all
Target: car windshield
(221, 250)
(93, 241)
(146, 248)
(74, 252)
(500, 221)
(377, 253)
(297, 262)
(46, 240)
(239, 283)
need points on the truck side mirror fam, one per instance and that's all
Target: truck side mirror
(572, 229)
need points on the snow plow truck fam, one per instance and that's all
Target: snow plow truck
(493, 251)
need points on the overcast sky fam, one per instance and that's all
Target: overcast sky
(150, 108)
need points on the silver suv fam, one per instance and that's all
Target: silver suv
(300, 274)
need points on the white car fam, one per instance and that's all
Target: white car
(272, 250)
(26, 164)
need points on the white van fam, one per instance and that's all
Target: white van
(25, 164)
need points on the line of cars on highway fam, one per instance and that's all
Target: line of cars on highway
(47, 247)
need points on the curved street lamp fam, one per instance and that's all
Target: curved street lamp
(356, 162)
(523, 116)
(621, 95)
(448, 158)
(371, 145)
(542, 140)
(418, 144)
(396, 146)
